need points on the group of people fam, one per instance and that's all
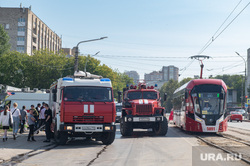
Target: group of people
(35, 119)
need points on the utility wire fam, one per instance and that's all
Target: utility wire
(219, 28)
(214, 38)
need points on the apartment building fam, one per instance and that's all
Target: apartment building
(27, 31)
(134, 75)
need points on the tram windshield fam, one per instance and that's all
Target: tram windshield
(208, 103)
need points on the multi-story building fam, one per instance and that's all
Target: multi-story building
(27, 31)
(170, 72)
(167, 73)
(153, 76)
(134, 75)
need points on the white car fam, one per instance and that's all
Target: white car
(118, 112)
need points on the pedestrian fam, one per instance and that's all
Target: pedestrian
(31, 123)
(23, 118)
(38, 108)
(42, 116)
(35, 114)
(48, 121)
(16, 119)
(6, 120)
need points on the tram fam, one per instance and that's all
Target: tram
(199, 106)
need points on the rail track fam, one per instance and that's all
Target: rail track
(233, 146)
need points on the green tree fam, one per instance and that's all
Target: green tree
(4, 41)
(169, 88)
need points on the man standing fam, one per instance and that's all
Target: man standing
(16, 119)
(48, 121)
(31, 122)
(23, 118)
(35, 114)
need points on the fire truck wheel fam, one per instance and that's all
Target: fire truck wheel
(60, 137)
(108, 138)
(126, 128)
(161, 128)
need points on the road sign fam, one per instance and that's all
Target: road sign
(246, 105)
(248, 101)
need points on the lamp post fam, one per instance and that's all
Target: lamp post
(76, 53)
(242, 80)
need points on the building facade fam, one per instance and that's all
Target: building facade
(27, 31)
(167, 73)
(134, 75)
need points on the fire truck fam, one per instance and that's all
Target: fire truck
(83, 106)
(142, 109)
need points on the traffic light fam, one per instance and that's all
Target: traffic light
(246, 97)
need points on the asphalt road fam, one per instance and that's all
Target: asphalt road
(142, 149)
(242, 125)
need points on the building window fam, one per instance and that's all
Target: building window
(21, 19)
(21, 29)
(7, 26)
(20, 38)
(20, 49)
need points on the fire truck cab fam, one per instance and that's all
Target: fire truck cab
(83, 106)
(142, 109)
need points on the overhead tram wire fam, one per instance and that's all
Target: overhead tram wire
(211, 39)
(214, 38)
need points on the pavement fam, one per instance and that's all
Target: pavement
(13, 149)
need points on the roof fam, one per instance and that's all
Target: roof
(192, 83)
(104, 82)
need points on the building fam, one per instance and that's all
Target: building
(27, 31)
(153, 76)
(170, 72)
(134, 75)
(167, 73)
(160, 77)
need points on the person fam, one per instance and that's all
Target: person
(31, 123)
(35, 114)
(42, 116)
(206, 107)
(16, 119)
(23, 119)
(38, 108)
(6, 120)
(48, 121)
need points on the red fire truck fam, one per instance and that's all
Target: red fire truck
(142, 109)
(83, 106)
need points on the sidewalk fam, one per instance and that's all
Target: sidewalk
(11, 149)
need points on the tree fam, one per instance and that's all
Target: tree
(169, 88)
(4, 41)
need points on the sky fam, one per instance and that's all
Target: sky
(144, 35)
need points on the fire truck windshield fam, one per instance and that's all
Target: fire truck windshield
(93, 94)
(142, 95)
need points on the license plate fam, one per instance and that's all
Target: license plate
(144, 119)
(88, 127)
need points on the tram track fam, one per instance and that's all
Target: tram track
(233, 146)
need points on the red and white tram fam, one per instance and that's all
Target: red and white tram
(199, 106)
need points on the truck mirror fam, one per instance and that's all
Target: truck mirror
(119, 96)
(165, 96)
(126, 99)
(186, 95)
(221, 96)
(54, 90)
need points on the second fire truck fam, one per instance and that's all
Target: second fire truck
(142, 109)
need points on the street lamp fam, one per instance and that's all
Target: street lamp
(242, 80)
(76, 53)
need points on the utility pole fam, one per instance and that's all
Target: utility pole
(77, 52)
(242, 96)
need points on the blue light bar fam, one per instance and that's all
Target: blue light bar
(67, 79)
(105, 79)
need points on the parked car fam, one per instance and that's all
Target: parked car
(234, 115)
(241, 111)
(118, 112)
